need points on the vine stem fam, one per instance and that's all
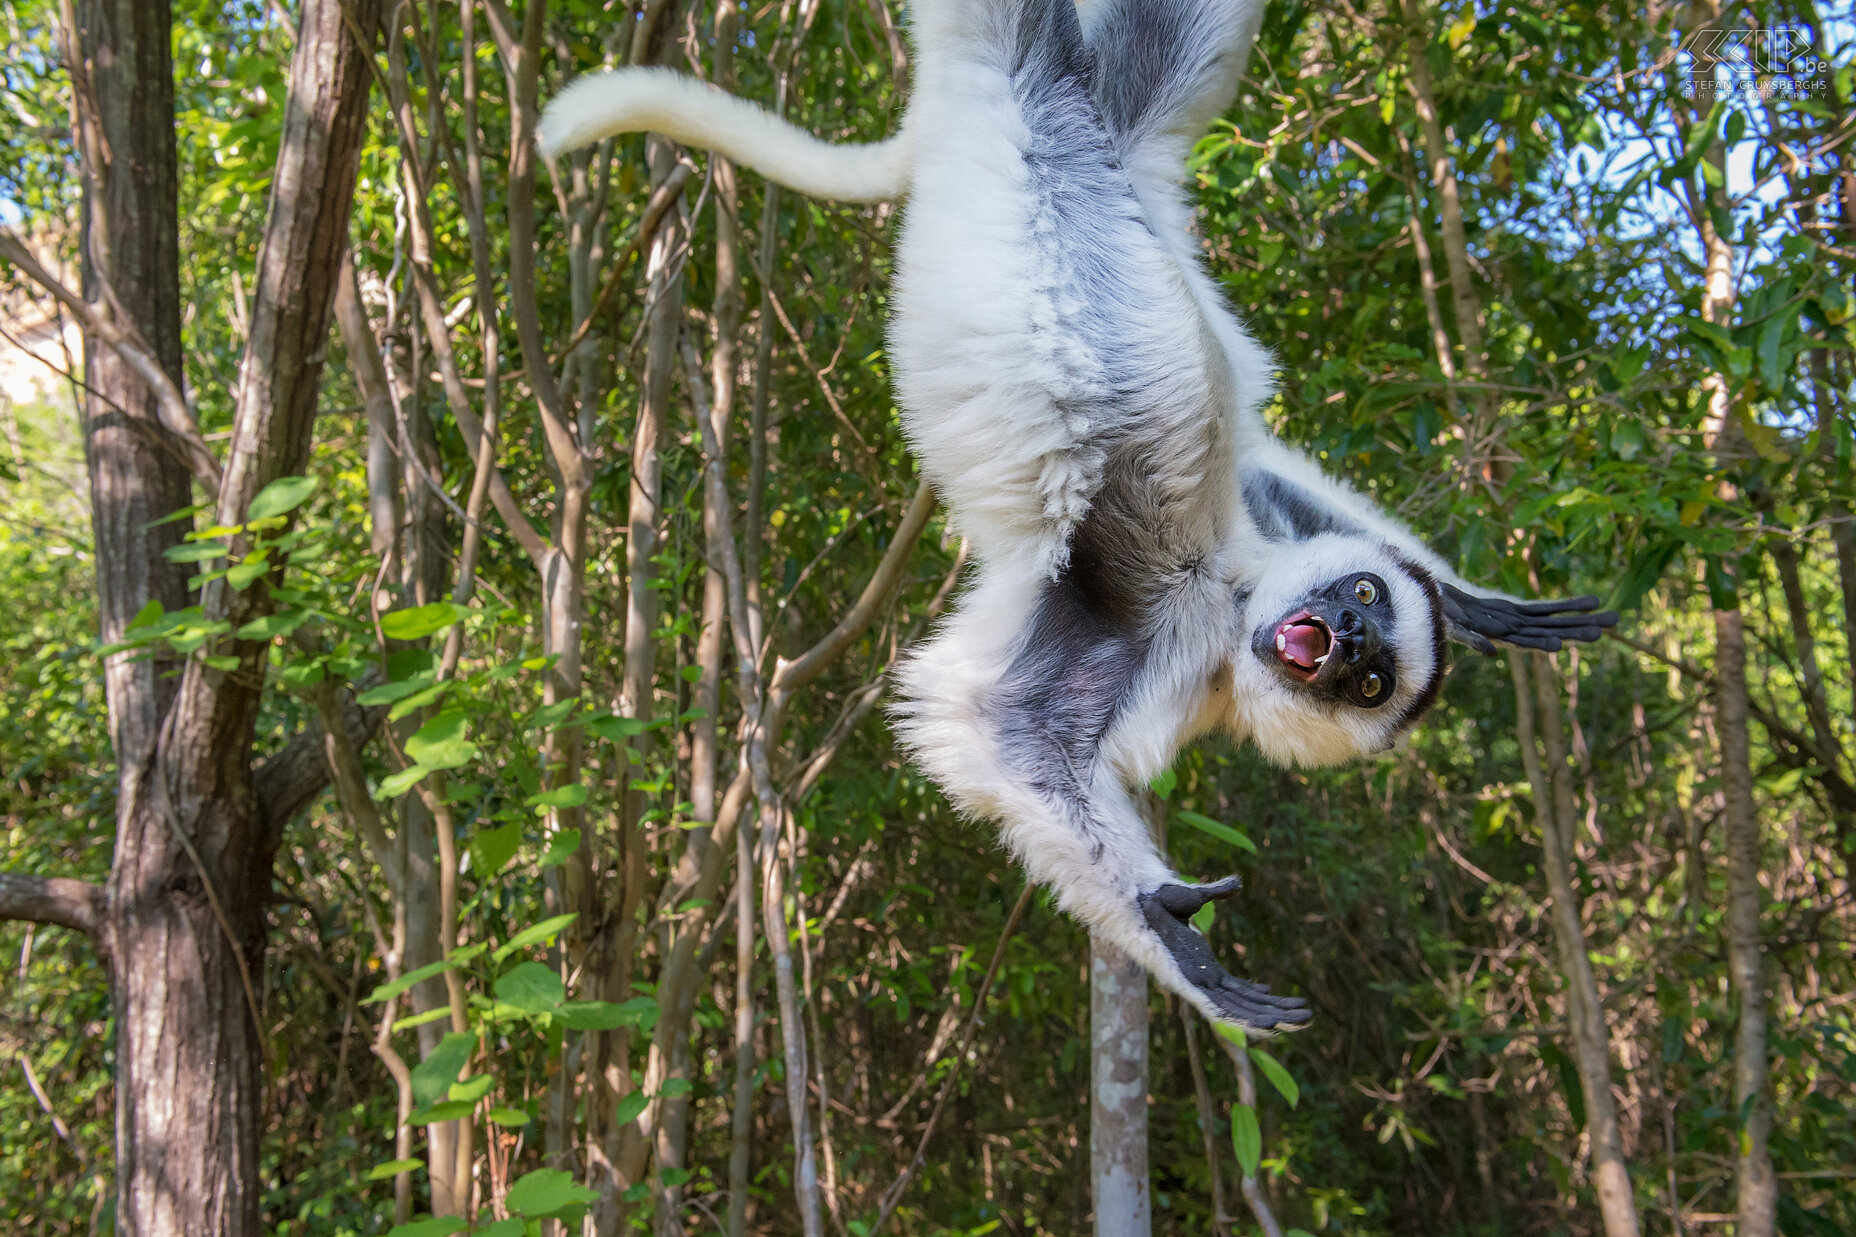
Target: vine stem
(893, 1195)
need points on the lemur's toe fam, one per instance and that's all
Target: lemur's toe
(1184, 901)
(1250, 1005)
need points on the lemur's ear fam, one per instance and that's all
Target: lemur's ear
(1481, 621)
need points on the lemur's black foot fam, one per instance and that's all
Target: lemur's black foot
(1168, 911)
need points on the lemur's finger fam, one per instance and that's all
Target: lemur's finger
(1260, 994)
(1556, 605)
(1184, 901)
(1242, 1003)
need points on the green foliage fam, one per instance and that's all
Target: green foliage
(1402, 896)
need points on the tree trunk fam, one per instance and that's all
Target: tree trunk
(1585, 1013)
(1463, 300)
(185, 1152)
(191, 873)
(1118, 1094)
(1757, 1206)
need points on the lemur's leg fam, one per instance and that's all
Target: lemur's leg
(1165, 69)
(1040, 325)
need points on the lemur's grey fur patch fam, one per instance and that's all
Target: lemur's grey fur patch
(1284, 511)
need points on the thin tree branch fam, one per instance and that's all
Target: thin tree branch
(661, 200)
(893, 1195)
(291, 778)
(1202, 1095)
(809, 665)
(128, 344)
(61, 900)
(1247, 1094)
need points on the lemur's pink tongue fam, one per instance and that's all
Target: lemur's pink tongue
(1304, 643)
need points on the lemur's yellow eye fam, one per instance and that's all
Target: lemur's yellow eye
(1364, 590)
(1372, 684)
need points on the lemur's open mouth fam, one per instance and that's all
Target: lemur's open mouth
(1303, 643)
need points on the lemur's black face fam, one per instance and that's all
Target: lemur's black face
(1338, 643)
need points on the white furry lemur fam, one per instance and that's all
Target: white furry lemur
(1152, 563)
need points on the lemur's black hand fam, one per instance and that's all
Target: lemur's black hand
(1169, 911)
(1480, 621)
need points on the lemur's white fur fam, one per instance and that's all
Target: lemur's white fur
(602, 105)
(1020, 402)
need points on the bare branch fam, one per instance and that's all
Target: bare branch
(291, 778)
(128, 344)
(893, 1195)
(61, 900)
(660, 201)
(1247, 1094)
(810, 664)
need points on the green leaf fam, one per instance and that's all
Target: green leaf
(444, 1110)
(185, 513)
(418, 700)
(546, 1191)
(640, 1011)
(492, 849)
(631, 1107)
(531, 988)
(1219, 830)
(418, 1020)
(512, 1117)
(1645, 569)
(302, 674)
(514, 1226)
(560, 796)
(440, 743)
(227, 663)
(618, 729)
(241, 576)
(673, 1177)
(387, 693)
(281, 495)
(392, 1168)
(432, 1077)
(397, 784)
(548, 716)
(428, 1226)
(561, 849)
(593, 1016)
(471, 1090)
(422, 621)
(1202, 918)
(194, 552)
(674, 1087)
(1278, 1076)
(1165, 784)
(273, 625)
(547, 929)
(1246, 1138)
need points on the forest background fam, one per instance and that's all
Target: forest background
(486, 809)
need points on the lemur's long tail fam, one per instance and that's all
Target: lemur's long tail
(631, 100)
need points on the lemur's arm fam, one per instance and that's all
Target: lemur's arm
(633, 100)
(1290, 499)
